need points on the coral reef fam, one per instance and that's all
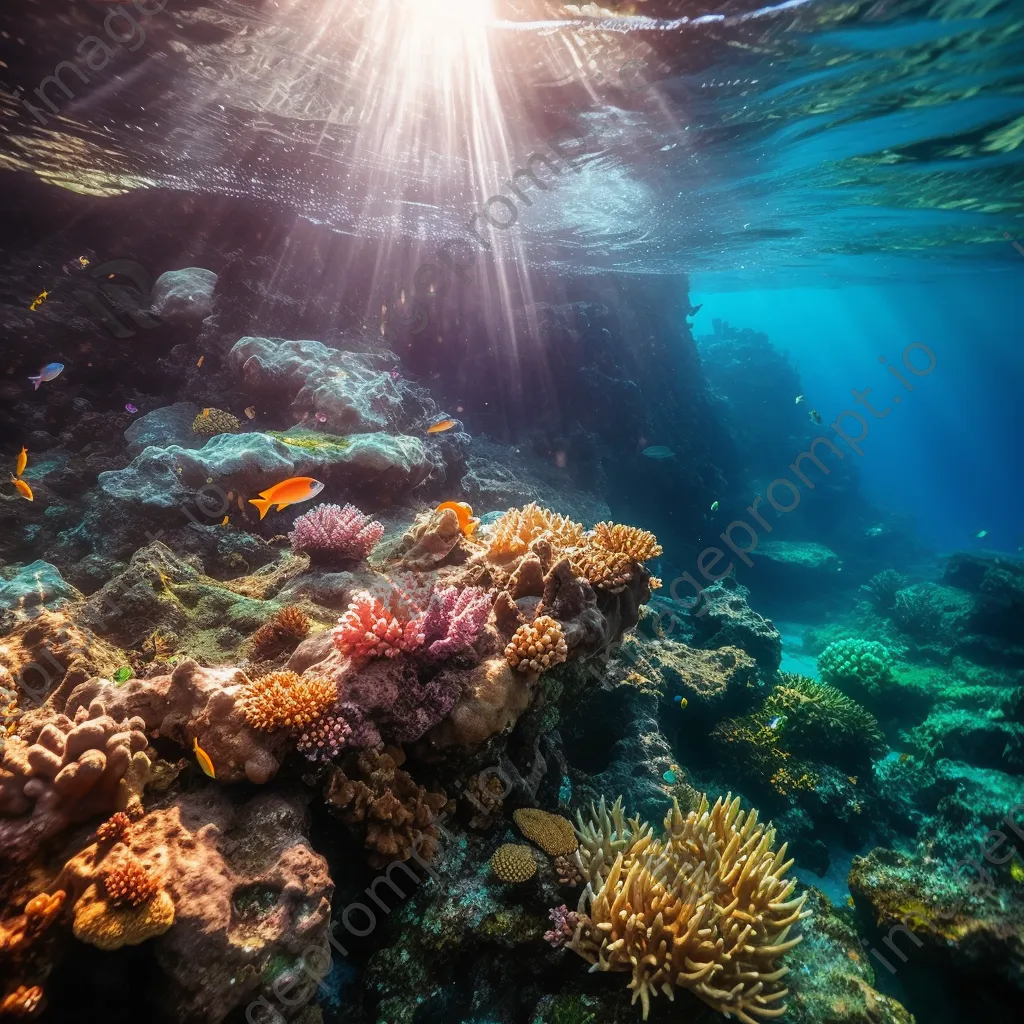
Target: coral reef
(280, 633)
(369, 629)
(210, 422)
(513, 862)
(330, 533)
(551, 832)
(285, 700)
(538, 646)
(724, 618)
(862, 665)
(707, 908)
(882, 588)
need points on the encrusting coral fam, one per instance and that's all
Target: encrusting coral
(707, 908)
(281, 633)
(513, 862)
(331, 533)
(398, 816)
(537, 647)
(106, 924)
(286, 700)
(210, 422)
(551, 832)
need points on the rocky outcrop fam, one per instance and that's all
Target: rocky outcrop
(184, 296)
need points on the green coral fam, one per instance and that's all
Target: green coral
(863, 664)
(312, 441)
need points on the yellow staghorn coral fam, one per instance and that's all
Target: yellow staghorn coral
(215, 421)
(537, 647)
(706, 908)
(103, 924)
(639, 545)
(512, 862)
(551, 832)
(286, 700)
(518, 528)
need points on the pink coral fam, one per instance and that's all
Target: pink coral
(369, 629)
(329, 532)
(454, 620)
(324, 738)
(564, 921)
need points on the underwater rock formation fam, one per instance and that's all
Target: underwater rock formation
(184, 295)
(725, 619)
(38, 585)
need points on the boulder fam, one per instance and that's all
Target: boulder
(38, 585)
(168, 425)
(184, 295)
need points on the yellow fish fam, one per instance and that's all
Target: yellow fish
(23, 489)
(39, 300)
(203, 758)
(849, 901)
(287, 492)
(225, 520)
(441, 426)
(467, 521)
(19, 466)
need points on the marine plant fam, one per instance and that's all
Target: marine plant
(570, 1010)
(755, 748)
(861, 664)
(312, 441)
(707, 907)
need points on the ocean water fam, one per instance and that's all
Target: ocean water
(478, 478)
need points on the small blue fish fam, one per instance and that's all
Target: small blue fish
(48, 372)
(658, 451)
(681, 701)
(774, 723)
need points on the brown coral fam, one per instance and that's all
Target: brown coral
(551, 832)
(430, 540)
(211, 421)
(40, 912)
(512, 862)
(280, 633)
(537, 647)
(706, 908)
(398, 814)
(286, 700)
(24, 1001)
(607, 570)
(639, 545)
(116, 829)
(518, 528)
(128, 884)
(107, 925)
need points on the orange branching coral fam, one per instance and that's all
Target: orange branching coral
(512, 862)
(127, 884)
(536, 647)
(607, 570)
(116, 829)
(639, 545)
(282, 632)
(102, 923)
(40, 913)
(551, 832)
(707, 908)
(518, 528)
(24, 1001)
(286, 700)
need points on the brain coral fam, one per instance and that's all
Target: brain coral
(215, 421)
(286, 700)
(551, 832)
(536, 647)
(512, 862)
(853, 662)
(705, 908)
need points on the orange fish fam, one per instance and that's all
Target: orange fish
(200, 363)
(23, 489)
(22, 462)
(467, 521)
(441, 426)
(203, 758)
(287, 492)
(225, 521)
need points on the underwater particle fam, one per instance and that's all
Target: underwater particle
(658, 451)
(23, 489)
(551, 832)
(670, 777)
(980, 534)
(211, 421)
(49, 372)
(21, 462)
(714, 506)
(122, 675)
(203, 758)
(250, 412)
(39, 300)
(513, 862)
(441, 426)
(200, 363)
(467, 522)
(815, 416)
(799, 399)
(128, 407)
(1017, 871)
(287, 492)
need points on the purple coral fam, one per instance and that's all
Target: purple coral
(325, 737)
(454, 620)
(565, 922)
(330, 532)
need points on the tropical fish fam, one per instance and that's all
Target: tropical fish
(250, 412)
(980, 534)
(714, 506)
(122, 675)
(23, 489)
(225, 521)
(658, 451)
(774, 723)
(83, 261)
(799, 399)
(287, 492)
(467, 521)
(39, 300)
(19, 466)
(200, 363)
(48, 372)
(849, 901)
(441, 426)
(815, 415)
(680, 700)
(128, 407)
(203, 758)
(670, 777)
